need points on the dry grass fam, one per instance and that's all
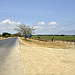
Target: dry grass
(50, 44)
(46, 61)
(2, 38)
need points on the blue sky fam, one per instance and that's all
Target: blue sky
(47, 16)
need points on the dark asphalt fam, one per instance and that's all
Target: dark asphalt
(10, 59)
(8, 42)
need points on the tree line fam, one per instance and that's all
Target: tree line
(6, 34)
(23, 30)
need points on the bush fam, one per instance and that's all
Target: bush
(6, 36)
(52, 38)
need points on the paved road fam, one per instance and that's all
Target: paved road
(10, 59)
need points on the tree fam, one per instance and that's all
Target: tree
(52, 38)
(5, 34)
(0, 35)
(26, 31)
(19, 34)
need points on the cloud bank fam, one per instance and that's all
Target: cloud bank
(8, 26)
(42, 28)
(8, 21)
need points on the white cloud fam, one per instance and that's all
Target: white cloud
(36, 27)
(8, 26)
(41, 23)
(62, 28)
(52, 23)
(52, 27)
(45, 29)
(8, 21)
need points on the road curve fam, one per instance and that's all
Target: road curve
(10, 59)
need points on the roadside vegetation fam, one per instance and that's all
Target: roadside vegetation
(26, 31)
(38, 43)
(8, 35)
(56, 38)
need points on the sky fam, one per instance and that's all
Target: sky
(47, 16)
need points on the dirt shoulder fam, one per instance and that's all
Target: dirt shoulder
(49, 44)
(47, 61)
(1, 38)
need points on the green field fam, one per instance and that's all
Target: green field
(59, 38)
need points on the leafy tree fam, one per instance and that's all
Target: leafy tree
(0, 35)
(52, 38)
(6, 34)
(26, 31)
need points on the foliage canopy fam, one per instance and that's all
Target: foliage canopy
(24, 30)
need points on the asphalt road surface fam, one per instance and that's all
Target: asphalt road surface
(10, 59)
